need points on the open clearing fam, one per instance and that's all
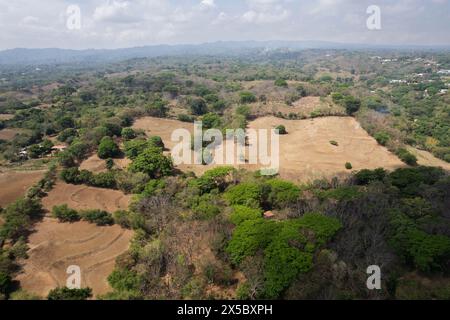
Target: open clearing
(425, 158)
(6, 116)
(55, 246)
(80, 197)
(14, 184)
(97, 165)
(306, 153)
(8, 134)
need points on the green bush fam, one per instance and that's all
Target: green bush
(5, 283)
(280, 193)
(366, 176)
(135, 147)
(108, 148)
(348, 166)
(152, 162)
(281, 83)
(128, 133)
(382, 137)
(69, 294)
(281, 130)
(124, 280)
(247, 97)
(246, 194)
(99, 217)
(249, 237)
(65, 214)
(406, 156)
(243, 213)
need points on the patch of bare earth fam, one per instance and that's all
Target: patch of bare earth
(426, 158)
(97, 165)
(14, 184)
(5, 116)
(81, 197)
(55, 246)
(306, 153)
(8, 134)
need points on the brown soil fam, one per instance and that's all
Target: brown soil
(425, 158)
(55, 246)
(97, 165)
(8, 134)
(305, 153)
(14, 185)
(5, 116)
(81, 197)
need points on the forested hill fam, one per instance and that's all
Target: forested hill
(22, 56)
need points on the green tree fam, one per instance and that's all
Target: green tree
(70, 294)
(65, 214)
(108, 148)
(152, 162)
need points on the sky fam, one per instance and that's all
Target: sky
(130, 23)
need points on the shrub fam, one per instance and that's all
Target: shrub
(351, 104)
(185, 118)
(247, 97)
(382, 137)
(198, 106)
(243, 213)
(281, 129)
(128, 133)
(124, 280)
(281, 83)
(283, 261)
(152, 162)
(5, 283)
(334, 143)
(279, 193)
(99, 217)
(122, 218)
(69, 294)
(65, 214)
(156, 142)
(407, 157)
(246, 194)
(348, 166)
(249, 237)
(366, 176)
(108, 148)
(135, 147)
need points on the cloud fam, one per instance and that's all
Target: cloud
(208, 3)
(265, 11)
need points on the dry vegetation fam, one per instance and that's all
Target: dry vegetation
(55, 246)
(80, 197)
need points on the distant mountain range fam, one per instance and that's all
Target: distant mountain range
(22, 56)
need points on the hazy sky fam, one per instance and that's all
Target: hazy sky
(126, 23)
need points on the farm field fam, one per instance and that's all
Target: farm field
(14, 184)
(55, 246)
(80, 197)
(97, 165)
(306, 153)
(8, 134)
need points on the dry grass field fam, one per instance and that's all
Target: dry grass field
(8, 134)
(306, 153)
(14, 184)
(81, 197)
(97, 165)
(55, 246)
